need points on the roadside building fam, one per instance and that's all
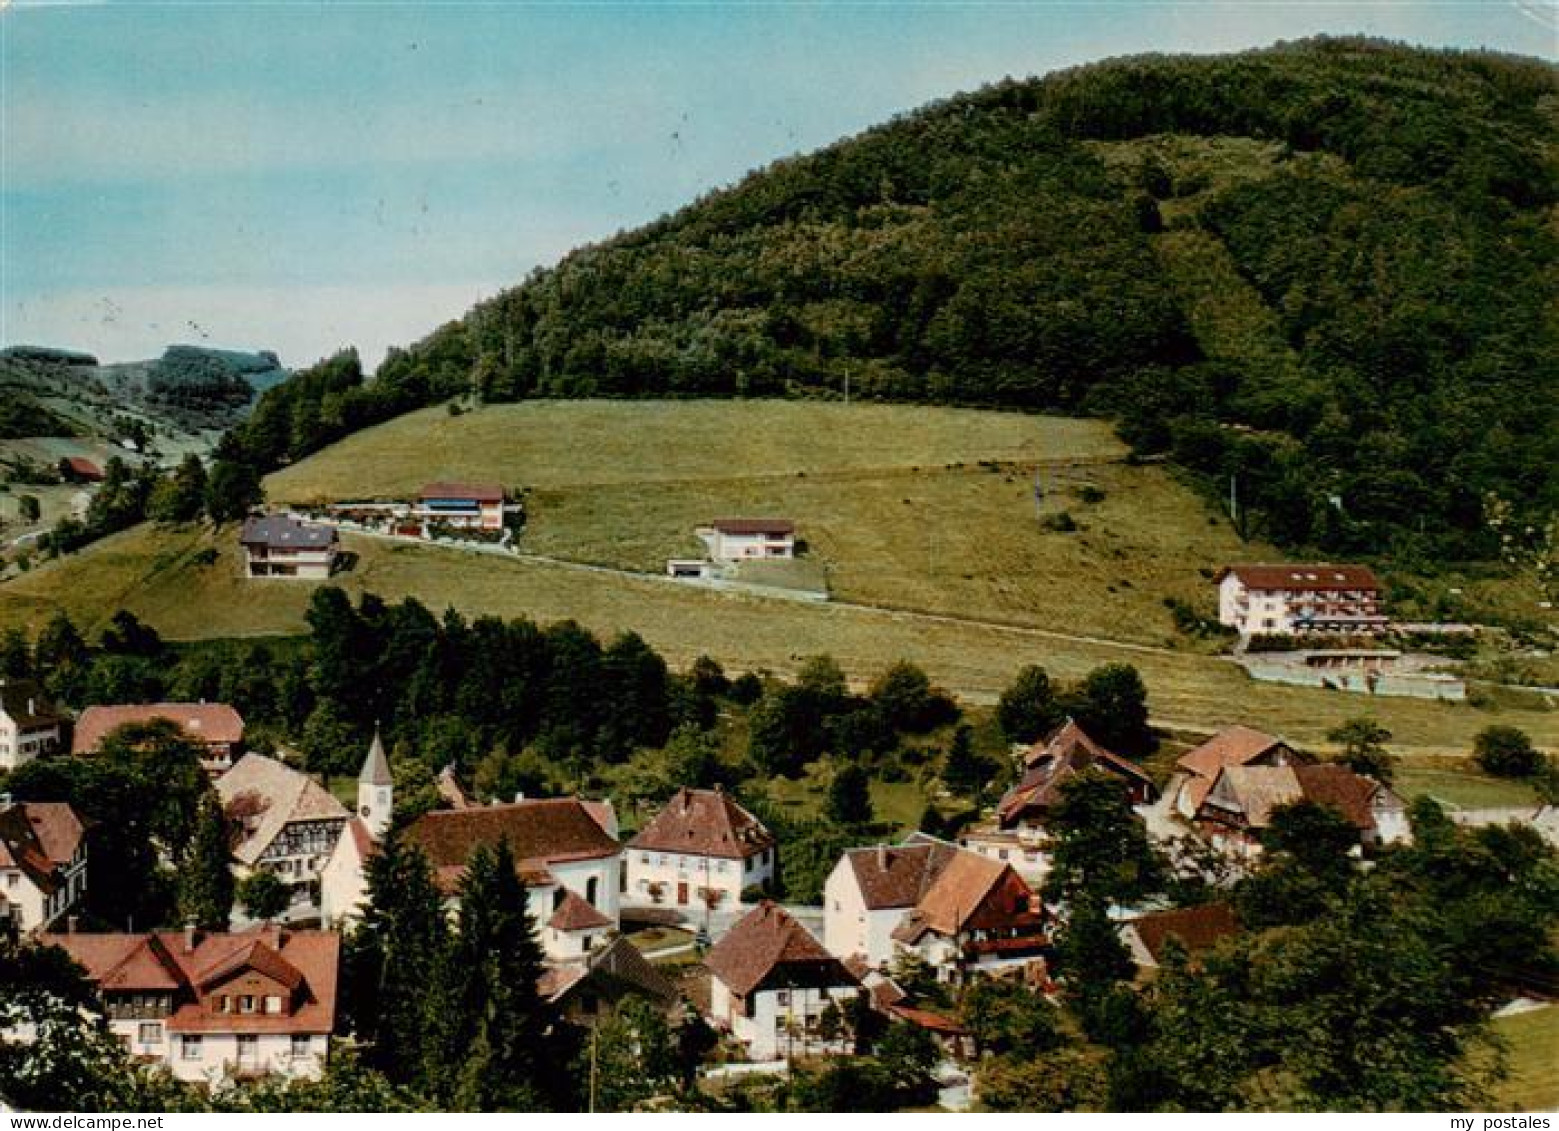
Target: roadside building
(701, 850)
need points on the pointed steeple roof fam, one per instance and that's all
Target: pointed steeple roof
(376, 767)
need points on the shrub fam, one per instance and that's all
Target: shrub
(1506, 752)
(1059, 523)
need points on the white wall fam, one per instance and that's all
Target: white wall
(18, 747)
(768, 1033)
(343, 883)
(218, 1053)
(729, 877)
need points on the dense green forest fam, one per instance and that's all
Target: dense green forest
(1326, 269)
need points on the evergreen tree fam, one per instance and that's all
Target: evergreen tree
(965, 772)
(396, 963)
(510, 1052)
(15, 655)
(849, 796)
(232, 491)
(205, 873)
(1111, 704)
(1028, 708)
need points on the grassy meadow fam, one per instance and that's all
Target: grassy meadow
(1533, 1042)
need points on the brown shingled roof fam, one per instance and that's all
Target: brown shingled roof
(305, 961)
(956, 893)
(574, 914)
(1196, 928)
(539, 832)
(1341, 789)
(1256, 791)
(1312, 577)
(704, 822)
(754, 525)
(1051, 764)
(39, 838)
(212, 723)
(25, 703)
(898, 875)
(264, 796)
(1231, 746)
(765, 942)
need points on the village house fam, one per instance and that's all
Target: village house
(561, 846)
(1231, 746)
(29, 723)
(1293, 599)
(603, 979)
(1240, 805)
(748, 539)
(217, 727)
(1195, 929)
(1018, 835)
(280, 545)
(343, 881)
(467, 506)
(217, 1007)
(770, 984)
(43, 863)
(283, 822)
(956, 909)
(701, 850)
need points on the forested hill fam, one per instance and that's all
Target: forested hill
(1328, 269)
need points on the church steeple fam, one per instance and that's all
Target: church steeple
(375, 789)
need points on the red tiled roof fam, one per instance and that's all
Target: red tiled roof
(476, 492)
(956, 894)
(39, 838)
(211, 723)
(305, 961)
(1341, 789)
(539, 832)
(754, 525)
(1302, 577)
(1067, 753)
(898, 875)
(925, 1019)
(1231, 746)
(1197, 928)
(574, 914)
(764, 941)
(704, 822)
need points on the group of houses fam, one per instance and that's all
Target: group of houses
(262, 999)
(284, 545)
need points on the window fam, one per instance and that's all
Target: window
(190, 1048)
(300, 1045)
(246, 1004)
(272, 1004)
(644, 858)
(590, 890)
(1001, 854)
(782, 997)
(150, 1033)
(11, 879)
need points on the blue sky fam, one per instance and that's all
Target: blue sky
(302, 175)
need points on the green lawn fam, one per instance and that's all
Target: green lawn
(1456, 783)
(1533, 1039)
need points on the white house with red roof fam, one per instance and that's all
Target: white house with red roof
(702, 850)
(216, 1007)
(770, 983)
(469, 506)
(561, 846)
(1290, 599)
(748, 539)
(43, 863)
(218, 728)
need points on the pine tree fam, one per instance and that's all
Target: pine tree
(205, 877)
(396, 960)
(849, 796)
(508, 1053)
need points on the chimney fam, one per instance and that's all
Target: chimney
(30, 711)
(70, 924)
(191, 936)
(519, 796)
(882, 857)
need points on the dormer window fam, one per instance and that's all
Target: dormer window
(246, 1003)
(272, 1004)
